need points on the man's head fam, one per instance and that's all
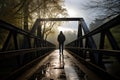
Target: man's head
(61, 32)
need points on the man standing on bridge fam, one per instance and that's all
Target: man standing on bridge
(61, 40)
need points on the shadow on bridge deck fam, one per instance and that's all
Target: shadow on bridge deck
(56, 67)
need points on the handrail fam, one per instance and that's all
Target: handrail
(15, 30)
(104, 75)
(102, 51)
(28, 48)
(112, 23)
(8, 54)
(10, 27)
(95, 52)
(102, 27)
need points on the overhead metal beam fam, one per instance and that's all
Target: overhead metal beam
(59, 19)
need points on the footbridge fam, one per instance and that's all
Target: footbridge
(24, 55)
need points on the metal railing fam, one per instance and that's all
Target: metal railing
(85, 47)
(20, 50)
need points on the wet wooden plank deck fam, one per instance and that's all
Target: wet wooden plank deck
(57, 67)
(53, 67)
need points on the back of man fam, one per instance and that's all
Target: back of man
(61, 40)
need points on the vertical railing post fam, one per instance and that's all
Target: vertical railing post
(80, 41)
(15, 40)
(93, 56)
(37, 27)
(101, 46)
(85, 46)
(26, 43)
(5, 45)
(39, 35)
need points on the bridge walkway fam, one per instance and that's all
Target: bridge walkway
(57, 67)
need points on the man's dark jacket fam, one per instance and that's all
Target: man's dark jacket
(61, 38)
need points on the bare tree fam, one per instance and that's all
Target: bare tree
(50, 9)
(108, 7)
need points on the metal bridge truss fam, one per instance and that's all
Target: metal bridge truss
(20, 50)
(85, 45)
(28, 47)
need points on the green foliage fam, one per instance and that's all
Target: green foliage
(23, 13)
(116, 33)
(8, 10)
(107, 44)
(3, 36)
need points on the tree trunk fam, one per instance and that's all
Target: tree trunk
(26, 13)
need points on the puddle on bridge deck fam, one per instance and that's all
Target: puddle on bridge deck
(59, 67)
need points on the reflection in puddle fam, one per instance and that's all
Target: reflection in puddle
(52, 70)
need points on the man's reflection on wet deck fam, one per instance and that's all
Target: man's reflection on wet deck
(61, 61)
